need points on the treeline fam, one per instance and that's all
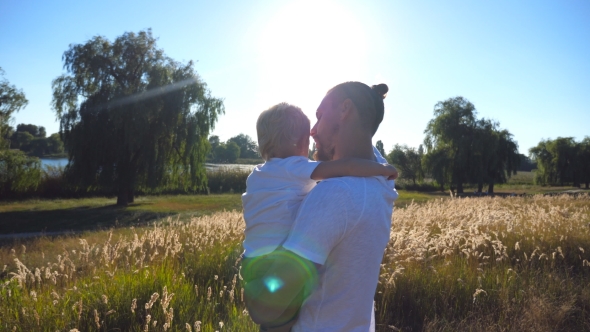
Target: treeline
(459, 149)
(562, 161)
(32, 140)
(240, 148)
(133, 120)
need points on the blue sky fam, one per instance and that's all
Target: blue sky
(522, 63)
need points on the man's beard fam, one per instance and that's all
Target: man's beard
(322, 154)
(326, 152)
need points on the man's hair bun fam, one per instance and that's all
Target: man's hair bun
(380, 90)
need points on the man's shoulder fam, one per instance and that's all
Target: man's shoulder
(355, 188)
(336, 190)
(352, 182)
(340, 183)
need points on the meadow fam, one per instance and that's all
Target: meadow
(479, 264)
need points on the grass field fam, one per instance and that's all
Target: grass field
(89, 214)
(484, 264)
(101, 213)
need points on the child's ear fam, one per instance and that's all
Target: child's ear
(303, 145)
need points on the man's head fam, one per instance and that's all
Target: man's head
(283, 131)
(349, 113)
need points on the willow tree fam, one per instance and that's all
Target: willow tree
(451, 132)
(504, 159)
(133, 118)
(561, 161)
(463, 149)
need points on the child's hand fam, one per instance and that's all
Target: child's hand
(390, 172)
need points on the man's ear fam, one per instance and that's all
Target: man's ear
(347, 107)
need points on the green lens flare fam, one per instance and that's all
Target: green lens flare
(273, 284)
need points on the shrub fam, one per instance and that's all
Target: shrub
(18, 173)
(227, 179)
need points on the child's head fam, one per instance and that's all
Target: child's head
(283, 131)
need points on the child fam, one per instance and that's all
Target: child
(276, 188)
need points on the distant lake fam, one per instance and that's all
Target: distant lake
(54, 162)
(217, 167)
(62, 162)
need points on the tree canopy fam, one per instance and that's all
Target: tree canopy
(131, 117)
(17, 171)
(248, 148)
(562, 160)
(11, 101)
(379, 147)
(239, 146)
(227, 152)
(408, 161)
(36, 131)
(32, 140)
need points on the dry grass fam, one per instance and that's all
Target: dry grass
(466, 264)
(488, 264)
(190, 265)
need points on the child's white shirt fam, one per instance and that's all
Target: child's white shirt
(274, 192)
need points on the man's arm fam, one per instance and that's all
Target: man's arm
(274, 295)
(353, 167)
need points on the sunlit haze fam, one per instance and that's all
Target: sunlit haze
(522, 63)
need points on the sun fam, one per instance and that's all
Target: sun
(306, 48)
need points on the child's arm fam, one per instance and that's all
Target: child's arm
(353, 167)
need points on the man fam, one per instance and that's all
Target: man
(335, 248)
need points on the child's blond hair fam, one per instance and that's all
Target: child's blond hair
(280, 127)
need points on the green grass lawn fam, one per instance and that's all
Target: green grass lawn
(89, 214)
(101, 213)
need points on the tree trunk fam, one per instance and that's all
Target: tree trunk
(123, 197)
(130, 195)
(479, 187)
(587, 184)
(459, 188)
(491, 188)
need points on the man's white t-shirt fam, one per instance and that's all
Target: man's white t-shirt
(274, 191)
(343, 225)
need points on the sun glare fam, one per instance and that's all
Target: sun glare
(308, 47)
